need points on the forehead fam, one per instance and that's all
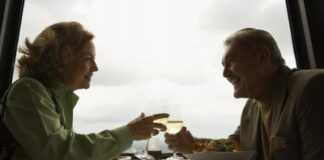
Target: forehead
(234, 50)
(89, 49)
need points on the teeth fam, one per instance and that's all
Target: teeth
(235, 81)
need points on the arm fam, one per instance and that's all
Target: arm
(32, 119)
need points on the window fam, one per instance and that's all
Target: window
(161, 56)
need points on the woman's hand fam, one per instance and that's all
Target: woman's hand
(143, 126)
(182, 142)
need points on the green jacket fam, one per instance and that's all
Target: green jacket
(32, 119)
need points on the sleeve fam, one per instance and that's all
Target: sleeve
(310, 112)
(32, 119)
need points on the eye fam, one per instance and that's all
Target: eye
(87, 58)
(231, 60)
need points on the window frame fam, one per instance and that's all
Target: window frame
(306, 25)
(11, 16)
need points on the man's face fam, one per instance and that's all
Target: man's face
(78, 74)
(243, 69)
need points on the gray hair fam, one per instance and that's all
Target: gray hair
(255, 39)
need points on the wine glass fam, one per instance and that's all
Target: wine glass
(173, 127)
(153, 148)
(144, 154)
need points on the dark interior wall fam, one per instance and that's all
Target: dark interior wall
(315, 17)
(2, 6)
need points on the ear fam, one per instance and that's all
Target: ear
(265, 55)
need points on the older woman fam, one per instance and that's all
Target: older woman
(38, 109)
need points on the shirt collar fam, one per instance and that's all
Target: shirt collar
(62, 92)
(275, 93)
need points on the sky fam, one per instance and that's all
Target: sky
(161, 56)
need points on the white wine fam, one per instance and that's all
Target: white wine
(163, 121)
(173, 126)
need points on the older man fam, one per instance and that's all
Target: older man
(285, 108)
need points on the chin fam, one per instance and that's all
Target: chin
(86, 87)
(237, 94)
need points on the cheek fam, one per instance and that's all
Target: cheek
(246, 75)
(81, 69)
(251, 80)
(77, 74)
(69, 75)
(75, 77)
(239, 70)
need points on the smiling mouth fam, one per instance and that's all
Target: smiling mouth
(235, 82)
(88, 77)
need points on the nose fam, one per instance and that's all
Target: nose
(94, 66)
(225, 72)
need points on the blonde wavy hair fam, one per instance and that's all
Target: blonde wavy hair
(52, 50)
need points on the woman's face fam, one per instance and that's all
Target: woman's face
(78, 74)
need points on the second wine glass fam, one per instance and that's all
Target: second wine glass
(173, 127)
(143, 155)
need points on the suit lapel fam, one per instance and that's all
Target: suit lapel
(280, 97)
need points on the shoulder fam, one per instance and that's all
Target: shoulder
(306, 76)
(306, 88)
(26, 86)
(305, 79)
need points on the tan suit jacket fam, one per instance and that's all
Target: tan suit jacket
(297, 130)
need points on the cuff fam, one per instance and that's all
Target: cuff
(123, 136)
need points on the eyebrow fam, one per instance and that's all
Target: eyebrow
(88, 54)
(225, 59)
(228, 57)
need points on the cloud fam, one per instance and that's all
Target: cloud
(114, 77)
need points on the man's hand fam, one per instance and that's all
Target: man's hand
(181, 142)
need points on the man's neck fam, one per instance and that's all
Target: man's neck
(269, 77)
